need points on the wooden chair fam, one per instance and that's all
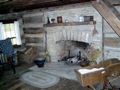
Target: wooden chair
(6, 60)
(7, 54)
(1, 70)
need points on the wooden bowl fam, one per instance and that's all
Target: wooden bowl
(84, 63)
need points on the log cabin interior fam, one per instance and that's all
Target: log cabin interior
(48, 44)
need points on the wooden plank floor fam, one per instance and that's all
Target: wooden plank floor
(64, 84)
(10, 81)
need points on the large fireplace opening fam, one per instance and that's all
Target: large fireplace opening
(64, 40)
(72, 52)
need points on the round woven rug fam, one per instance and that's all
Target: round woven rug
(39, 79)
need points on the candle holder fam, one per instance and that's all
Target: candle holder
(53, 20)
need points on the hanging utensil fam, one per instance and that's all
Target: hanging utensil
(94, 30)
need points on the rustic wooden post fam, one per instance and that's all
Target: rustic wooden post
(10, 60)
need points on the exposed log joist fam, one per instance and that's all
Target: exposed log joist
(50, 4)
(116, 4)
(112, 8)
(21, 5)
(108, 15)
(3, 1)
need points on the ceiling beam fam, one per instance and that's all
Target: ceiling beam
(51, 3)
(116, 4)
(22, 5)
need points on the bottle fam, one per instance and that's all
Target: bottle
(48, 21)
(81, 19)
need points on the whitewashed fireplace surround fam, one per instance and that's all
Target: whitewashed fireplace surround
(82, 33)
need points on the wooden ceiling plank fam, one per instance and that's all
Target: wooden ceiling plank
(22, 5)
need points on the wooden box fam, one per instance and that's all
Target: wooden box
(110, 67)
(89, 78)
(88, 18)
(28, 55)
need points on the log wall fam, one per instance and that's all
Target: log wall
(33, 30)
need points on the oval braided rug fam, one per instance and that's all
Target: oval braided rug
(39, 79)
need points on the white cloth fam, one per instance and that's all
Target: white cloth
(85, 71)
(17, 32)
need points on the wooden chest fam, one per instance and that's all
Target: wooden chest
(89, 78)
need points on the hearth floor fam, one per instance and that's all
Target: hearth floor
(58, 68)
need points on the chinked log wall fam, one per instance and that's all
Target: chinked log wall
(112, 24)
(33, 30)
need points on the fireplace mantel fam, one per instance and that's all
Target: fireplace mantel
(70, 24)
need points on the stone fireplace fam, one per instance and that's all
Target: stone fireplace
(70, 49)
(62, 39)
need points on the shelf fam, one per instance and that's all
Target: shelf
(70, 24)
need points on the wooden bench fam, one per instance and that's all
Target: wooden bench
(109, 69)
